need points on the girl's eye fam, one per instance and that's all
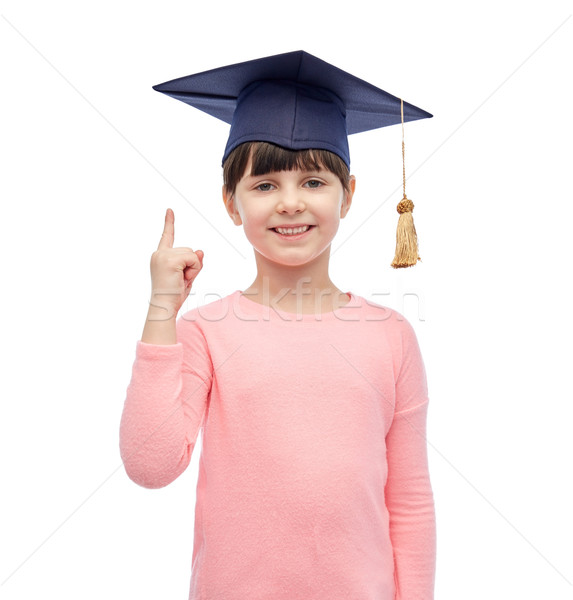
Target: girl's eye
(264, 187)
(313, 183)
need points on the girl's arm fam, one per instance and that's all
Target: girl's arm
(165, 406)
(408, 491)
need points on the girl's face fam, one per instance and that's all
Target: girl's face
(289, 217)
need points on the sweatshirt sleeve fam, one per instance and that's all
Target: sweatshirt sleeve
(165, 405)
(408, 490)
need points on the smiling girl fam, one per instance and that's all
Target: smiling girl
(313, 475)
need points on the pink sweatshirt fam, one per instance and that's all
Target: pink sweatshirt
(313, 475)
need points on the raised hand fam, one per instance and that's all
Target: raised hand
(173, 270)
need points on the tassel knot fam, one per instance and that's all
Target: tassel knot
(405, 205)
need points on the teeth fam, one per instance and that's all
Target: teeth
(292, 230)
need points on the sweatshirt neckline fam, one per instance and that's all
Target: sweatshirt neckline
(253, 307)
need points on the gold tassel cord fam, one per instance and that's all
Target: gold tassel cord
(406, 239)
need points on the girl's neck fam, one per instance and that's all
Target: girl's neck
(305, 289)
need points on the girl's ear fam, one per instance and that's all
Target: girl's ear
(230, 205)
(348, 197)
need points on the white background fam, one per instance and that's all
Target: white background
(91, 159)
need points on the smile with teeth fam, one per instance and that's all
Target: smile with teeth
(292, 230)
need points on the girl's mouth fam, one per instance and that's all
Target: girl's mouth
(293, 233)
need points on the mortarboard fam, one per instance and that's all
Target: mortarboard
(298, 101)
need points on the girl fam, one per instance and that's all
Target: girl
(313, 477)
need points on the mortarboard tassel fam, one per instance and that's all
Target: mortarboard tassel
(406, 238)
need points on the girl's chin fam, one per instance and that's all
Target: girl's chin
(287, 261)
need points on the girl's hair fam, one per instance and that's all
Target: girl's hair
(267, 158)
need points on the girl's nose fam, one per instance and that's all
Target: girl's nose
(290, 202)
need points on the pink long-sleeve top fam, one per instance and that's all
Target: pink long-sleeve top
(313, 476)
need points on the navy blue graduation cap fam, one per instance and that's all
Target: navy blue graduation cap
(297, 101)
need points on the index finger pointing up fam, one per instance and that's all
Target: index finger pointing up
(168, 234)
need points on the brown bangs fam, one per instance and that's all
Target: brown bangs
(267, 158)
